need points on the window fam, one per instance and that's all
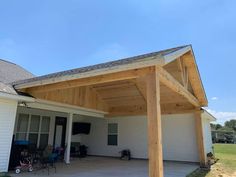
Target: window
(112, 138)
(22, 127)
(44, 133)
(34, 128)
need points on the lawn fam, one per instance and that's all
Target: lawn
(225, 166)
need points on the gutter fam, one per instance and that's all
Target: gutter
(16, 97)
(61, 107)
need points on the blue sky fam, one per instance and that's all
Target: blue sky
(49, 36)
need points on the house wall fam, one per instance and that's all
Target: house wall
(207, 134)
(7, 121)
(179, 137)
(131, 135)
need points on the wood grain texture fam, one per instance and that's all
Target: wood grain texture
(200, 138)
(154, 126)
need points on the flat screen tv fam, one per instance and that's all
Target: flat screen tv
(81, 128)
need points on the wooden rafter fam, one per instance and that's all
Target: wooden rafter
(173, 84)
(194, 78)
(181, 69)
(184, 72)
(124, 75)
(141, 86)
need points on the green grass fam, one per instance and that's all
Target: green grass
(226, 153)
(225, 166)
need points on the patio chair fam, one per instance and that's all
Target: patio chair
(48, 159)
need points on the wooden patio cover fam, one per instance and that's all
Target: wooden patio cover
(161, 83)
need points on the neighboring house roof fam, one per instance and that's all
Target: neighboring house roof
(7, 88)
(10, 72)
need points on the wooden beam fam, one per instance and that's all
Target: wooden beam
(141, 109)
(128, 110)
(142, 86)
(182, 71)
(124, 75)
(194, 78)
(200, 139)
(178, 111)
(126, 101)
(168, 80)
(154, 126)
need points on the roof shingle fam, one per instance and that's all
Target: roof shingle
(120, 62)
(10, 72)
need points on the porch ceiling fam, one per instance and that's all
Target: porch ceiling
(121, 97)
(124, 92)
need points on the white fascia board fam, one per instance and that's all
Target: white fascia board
(208, 115)
(174, 55)
(16, 97)
(60, 107)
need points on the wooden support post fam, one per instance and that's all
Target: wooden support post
(200, 139)
(154, 126)
(69, 127)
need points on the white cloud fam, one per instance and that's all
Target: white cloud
(222, 116)
(214, 98)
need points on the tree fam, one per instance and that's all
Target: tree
(213, 126)
(218, 126)
(231, 124)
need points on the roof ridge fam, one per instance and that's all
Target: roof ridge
(6, 61)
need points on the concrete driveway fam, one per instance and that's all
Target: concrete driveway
(110, 167)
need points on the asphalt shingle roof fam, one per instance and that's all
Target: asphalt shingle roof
(99, 66)
(10, 72)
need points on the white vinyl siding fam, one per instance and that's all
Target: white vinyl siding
(7, 121)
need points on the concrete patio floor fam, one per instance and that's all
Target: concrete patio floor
(110, 167)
